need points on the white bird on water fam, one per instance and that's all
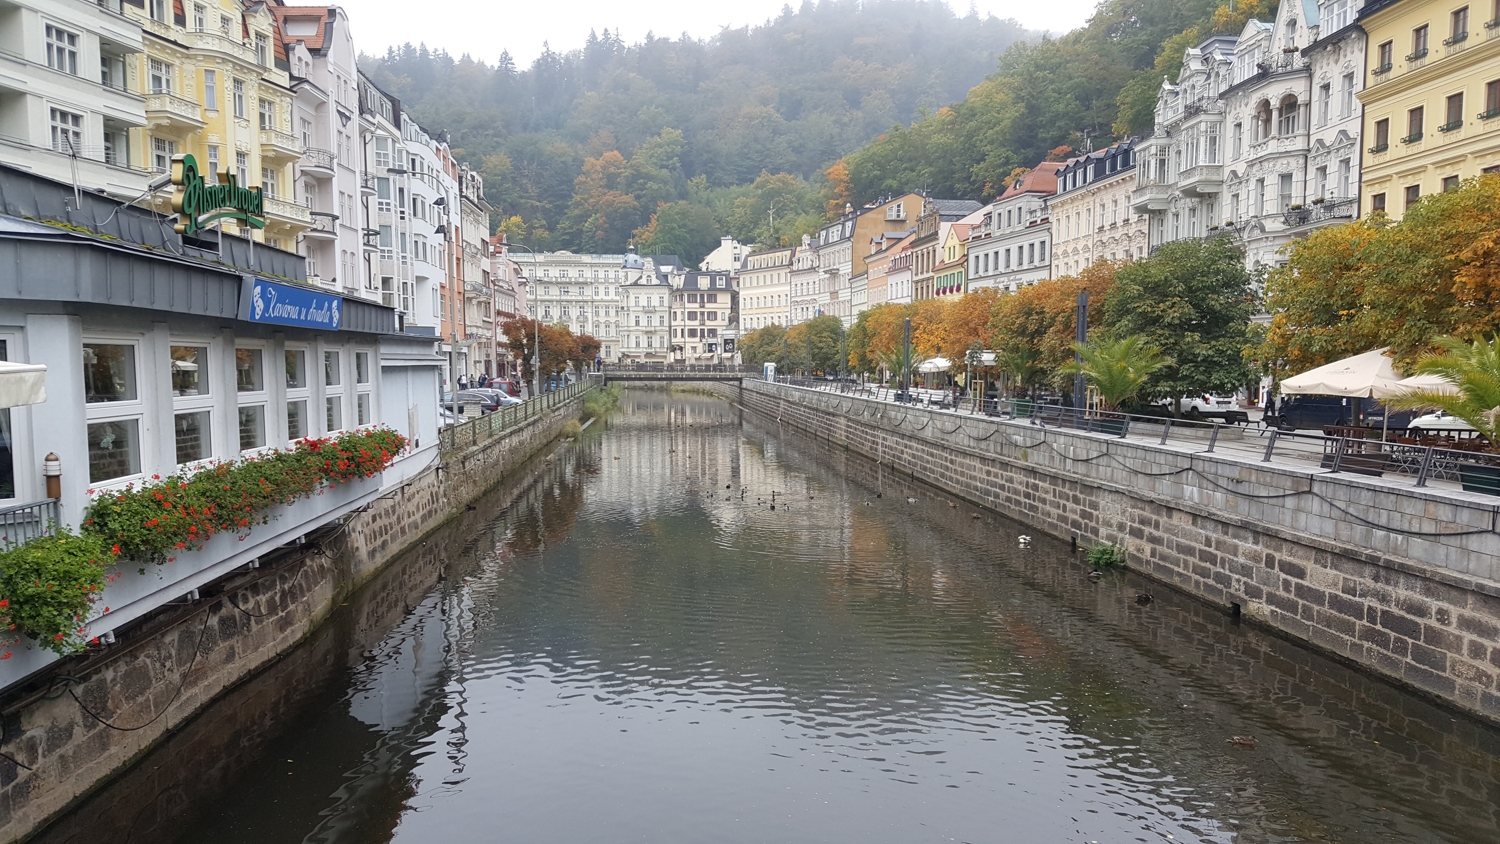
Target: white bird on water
(1025, 541)
(911, 501)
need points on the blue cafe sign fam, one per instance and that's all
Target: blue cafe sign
(286, 304)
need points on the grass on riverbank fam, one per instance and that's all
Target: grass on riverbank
(601, 402)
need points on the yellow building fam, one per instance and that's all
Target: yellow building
(950, 276)
(217, 86)
(1432, 102)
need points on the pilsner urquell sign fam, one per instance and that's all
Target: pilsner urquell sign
(199, 203)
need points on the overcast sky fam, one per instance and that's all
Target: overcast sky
(482, 28)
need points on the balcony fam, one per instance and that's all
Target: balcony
(324, 226)
(174, 115)
(318, 163)
(1338, 209)
(367, 185)
(1294, 217)
(1379, 148)
(1490, 114)
(1452, 126)
(1492, 29)
(290, 213)
(222, 44)
(1412, 138)
(1150, 198)
(1455, 43)
(1205, 179)
(279, 147)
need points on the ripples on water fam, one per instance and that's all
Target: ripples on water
(641, 649)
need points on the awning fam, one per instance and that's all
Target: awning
(1370, 375)
(22, 383)
(934, 365)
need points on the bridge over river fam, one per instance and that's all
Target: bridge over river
(635, 373)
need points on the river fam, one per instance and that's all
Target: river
(634, 644)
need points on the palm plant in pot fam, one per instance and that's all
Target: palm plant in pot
(902, 364)
(1021, 366)
(1473, 370)
(1119, 369)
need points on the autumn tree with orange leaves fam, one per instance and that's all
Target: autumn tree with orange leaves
(1367, 284)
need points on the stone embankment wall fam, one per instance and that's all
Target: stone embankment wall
(101, 715)
(1399, 580)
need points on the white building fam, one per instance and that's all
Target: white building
(320, 51)
(1091, 215)
(835, 246)
(434, 189)
(645, 310)
(728, 257)
(701, 315)
(807, 296)
(1336, 60)
(1010, 247)
(1180, 166)
(764, 283)
(579, 291)
(385, 188)
(66, 104)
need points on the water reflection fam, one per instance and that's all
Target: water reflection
(639, 647)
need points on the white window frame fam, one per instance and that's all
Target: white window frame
(159, 76)
(303, 394)
(121, 411)
(334, 392)
(254, 398)
(211, 90)
(201, 403)
(66, 128)
(62, 49)
(365, 389)
(20, 431)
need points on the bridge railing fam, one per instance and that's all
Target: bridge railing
(660, 367)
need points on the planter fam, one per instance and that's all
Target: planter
(1477, 477)
(1023, 408)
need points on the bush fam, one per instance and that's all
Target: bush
(571, 428)
(181, 512)
(48, 585)
(601, 402)
(1106, 556)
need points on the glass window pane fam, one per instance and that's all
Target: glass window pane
(114, 449)
(334, 411)
(7, 448)
(189, 371)
(296, 419)
(362, 367)
(252, 427)
(192, 436)
(248, 376)
(296, 369)
(362, 408)
(332, 377)
(108, 372)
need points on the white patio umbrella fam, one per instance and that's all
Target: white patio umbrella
(1428, 384)
(1367, 376)
(22, 383)
(934, 365)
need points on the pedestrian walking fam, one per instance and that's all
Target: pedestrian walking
(463, 382)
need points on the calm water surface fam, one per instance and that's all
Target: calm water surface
(639, 648)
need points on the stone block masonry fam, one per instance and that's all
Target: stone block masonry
(1402, 581)
(99, 715)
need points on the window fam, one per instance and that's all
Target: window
(1454, 113)
(242, 168)
(1458, 29)
(1287, 120)
(363, 402)
(1382, 135)
(160, 77)
(1491, 100)
(1413, 193)
(1344, 167)
(250, 389)
(262, 49)
(267, 114)
(1239, 138)
(1260, 197)
(200, 17)
(1346, 105)
(191, 403)
(67, 132)
(1413, 125)
(7, 444)
(1377, 203)
(114, 410)
(383, 152)
(1321, 179)
(1284, 192)
(1418, 43)
(1385, 56)
(239, 98)
(1450, 184)
(1325, 100)
(211, 90)
(333, 403)
(162, 151)
(212, 176)
(62, 50)
(158, 10)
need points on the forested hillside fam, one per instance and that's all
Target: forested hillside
(789, 96)
(674, 142)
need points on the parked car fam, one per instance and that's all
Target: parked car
(510, 387)
(1439, 421)
(471, 400)
(1317, 412)
(1203, 404)
(500, 397)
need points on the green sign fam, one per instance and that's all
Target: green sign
(199, 203)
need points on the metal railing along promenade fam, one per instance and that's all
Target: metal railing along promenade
(21, 523)
(500, 422)
(1405, 456)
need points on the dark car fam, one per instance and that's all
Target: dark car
(1317, 412)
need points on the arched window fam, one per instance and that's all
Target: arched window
(1286, 124)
